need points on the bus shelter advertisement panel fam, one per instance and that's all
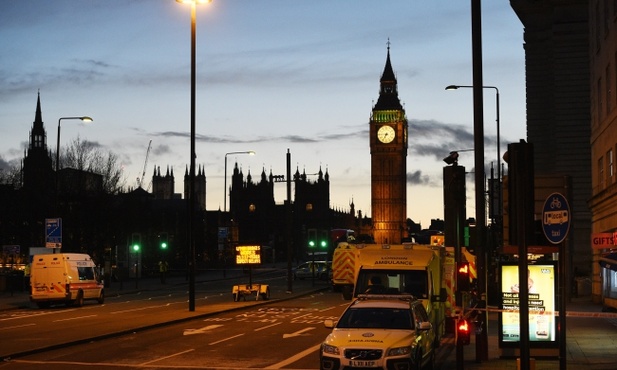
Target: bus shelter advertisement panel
(542, 307)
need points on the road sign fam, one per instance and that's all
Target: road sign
(53, 233)
(556, 218)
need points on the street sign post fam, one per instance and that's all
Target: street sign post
(556, 224)
(53, 233)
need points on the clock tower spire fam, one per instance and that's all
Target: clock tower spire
(388, 143)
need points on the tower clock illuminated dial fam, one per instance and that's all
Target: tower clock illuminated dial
(385, 134)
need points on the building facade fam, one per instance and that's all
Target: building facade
(556, 44)
(603, 201)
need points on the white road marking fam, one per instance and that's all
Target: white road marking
(269, 326)
(200, 331)
(166, 357)
(17, 326)
(298, 333)
(294, 358)
(223, 340)
(75, 318)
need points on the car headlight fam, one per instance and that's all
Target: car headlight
(400, 351)
(332, 350)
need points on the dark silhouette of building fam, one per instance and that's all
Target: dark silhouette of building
(109, 226)
(38, 173)
(163, 187)
(200, 187)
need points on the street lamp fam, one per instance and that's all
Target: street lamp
(456, 87)
(83, 119)
(191, 195)
(249, 152)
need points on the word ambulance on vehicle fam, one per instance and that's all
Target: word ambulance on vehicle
(68, 278)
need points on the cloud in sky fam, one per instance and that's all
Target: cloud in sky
(268, 80)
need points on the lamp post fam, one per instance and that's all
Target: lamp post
(456, 87)
(191, 195)
(249, 152)
(83, 119)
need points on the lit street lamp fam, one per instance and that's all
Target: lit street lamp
(191, 195)
(83, 119)
(249, 152)
(456, 87)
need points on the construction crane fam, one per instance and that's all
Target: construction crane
(140, 181)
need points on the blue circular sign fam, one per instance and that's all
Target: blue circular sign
(556, 218)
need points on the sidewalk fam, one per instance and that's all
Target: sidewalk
(591, 343)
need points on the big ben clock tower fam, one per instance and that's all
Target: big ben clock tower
(388, 142)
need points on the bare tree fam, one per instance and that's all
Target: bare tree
(10, 173)
(86, 155)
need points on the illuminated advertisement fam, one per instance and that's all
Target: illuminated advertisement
(248, 255)
(542, 283)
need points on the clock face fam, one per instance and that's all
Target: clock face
(385, 134)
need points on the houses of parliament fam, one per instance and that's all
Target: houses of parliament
(105, 225)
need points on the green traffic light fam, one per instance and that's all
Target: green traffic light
(324, 244)
(163, 245)
(311, 243)
(136, 247)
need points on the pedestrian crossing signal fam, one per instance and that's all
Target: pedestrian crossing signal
(463, 332)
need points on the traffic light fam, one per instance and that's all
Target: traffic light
(462, 276)
(323, 239)
(163, 241)
(454, 205)
(463, 332)
(312, 238)
(136, 242)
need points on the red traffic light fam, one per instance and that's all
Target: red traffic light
(462, 276)
(463, 332)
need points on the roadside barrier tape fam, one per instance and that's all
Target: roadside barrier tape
(599, 315)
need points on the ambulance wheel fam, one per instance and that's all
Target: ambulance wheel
(101, 298)
(80, 299)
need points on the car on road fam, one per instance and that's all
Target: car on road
(380, 332)
(322, 269)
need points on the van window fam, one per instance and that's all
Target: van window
(85, 273)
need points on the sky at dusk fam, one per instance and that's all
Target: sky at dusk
(272, 76)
